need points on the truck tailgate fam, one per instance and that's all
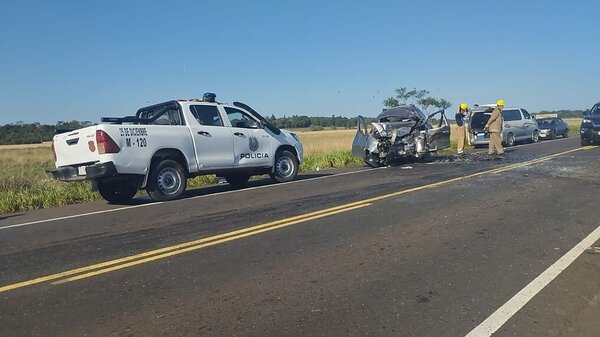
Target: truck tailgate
(76, 147)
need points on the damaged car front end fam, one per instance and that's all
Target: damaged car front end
(401, 132)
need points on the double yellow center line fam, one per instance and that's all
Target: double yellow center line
(162, 253)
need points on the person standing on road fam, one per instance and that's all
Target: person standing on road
(494, 127)
(461, 130)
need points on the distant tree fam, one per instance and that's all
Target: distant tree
(416, 96)
(391, 102)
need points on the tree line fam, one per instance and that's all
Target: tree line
(316, 123)
(34, 133)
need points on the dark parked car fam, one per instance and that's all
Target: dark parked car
(553, 127)
(590, 126)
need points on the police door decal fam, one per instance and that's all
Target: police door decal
(253, 146)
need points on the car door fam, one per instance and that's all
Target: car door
(251, 142)
(562, 126)
(513, 123)
(213, 141)
(438, 136)
(359, 144)
(529, 125)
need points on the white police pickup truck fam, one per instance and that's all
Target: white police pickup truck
(164, 144)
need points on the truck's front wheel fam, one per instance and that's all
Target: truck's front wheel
(167, 180)
(286, 167)
(116, 192)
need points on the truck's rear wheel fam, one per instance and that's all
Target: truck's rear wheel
(286, 167)
(237, 180)
(167, 180)
(116, 192)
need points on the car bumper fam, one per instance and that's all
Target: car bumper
(73, 173)
(591, 135)
(480, 138)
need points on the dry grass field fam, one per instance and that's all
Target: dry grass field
(326, 140)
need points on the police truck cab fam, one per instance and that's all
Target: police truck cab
(164, 144)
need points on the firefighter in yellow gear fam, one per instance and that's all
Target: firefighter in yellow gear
(494, 127)
(461, 130)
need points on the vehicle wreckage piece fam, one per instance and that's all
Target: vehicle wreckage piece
(400, 132)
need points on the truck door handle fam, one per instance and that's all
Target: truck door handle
(239, 134)
(203, 133)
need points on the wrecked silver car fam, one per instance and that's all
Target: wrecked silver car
(401, 132)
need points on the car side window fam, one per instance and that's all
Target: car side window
(240, 119)
(206, 114)
(526, 114)
(511, 115)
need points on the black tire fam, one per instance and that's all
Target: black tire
(584, 142)
(373, 161)
(566, 134)
(167, 180)
(237, 180)
(116, 192)
(285, 168)
(536, 137)
(510, 140)
(552, 134)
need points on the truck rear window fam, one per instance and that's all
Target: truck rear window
(169, 117)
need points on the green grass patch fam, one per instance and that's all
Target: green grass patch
(332, 159)
(574, 130)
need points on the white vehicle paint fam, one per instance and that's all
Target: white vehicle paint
(164, 144)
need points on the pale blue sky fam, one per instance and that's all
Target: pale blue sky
(65, 60)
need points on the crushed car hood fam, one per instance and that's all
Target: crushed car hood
(401, 112)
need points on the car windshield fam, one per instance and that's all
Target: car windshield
(595, 110)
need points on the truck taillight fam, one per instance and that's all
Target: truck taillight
(105, 143)
(53, 152)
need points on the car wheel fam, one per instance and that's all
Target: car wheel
(373, 161)
(510, 140)
(237, 180)
(116, 192)
(536, 137)
(552, 134)
(167, 180)
(286, 167)
(584, 142)
(566, 134)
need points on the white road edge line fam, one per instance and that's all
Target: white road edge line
(179, 200)
(496, 320)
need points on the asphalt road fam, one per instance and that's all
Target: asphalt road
(444, 248)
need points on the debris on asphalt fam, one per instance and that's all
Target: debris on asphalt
(593, 250)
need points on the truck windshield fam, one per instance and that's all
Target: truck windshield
(595, 110)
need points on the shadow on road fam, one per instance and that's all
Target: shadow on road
(220, 188)
(4, 217)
